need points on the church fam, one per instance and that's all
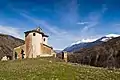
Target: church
(36, 45)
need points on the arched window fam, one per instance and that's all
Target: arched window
(22, 53)
(34, 34)
(44, 39)
(16, 55)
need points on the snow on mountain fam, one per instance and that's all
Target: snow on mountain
(86, 43)
(112, 35)
(109, 36)
(106, 39)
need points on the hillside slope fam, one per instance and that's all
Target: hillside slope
(106, 54)
(52, 69)
(7, 44)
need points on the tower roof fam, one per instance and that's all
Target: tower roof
(37, 30)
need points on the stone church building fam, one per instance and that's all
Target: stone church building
(36, 45)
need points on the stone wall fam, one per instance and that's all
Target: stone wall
(45, 49)
(18, 51)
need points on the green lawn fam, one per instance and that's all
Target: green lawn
(51, 69)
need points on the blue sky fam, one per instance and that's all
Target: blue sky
(65, 21)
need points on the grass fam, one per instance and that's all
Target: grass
(52, 69)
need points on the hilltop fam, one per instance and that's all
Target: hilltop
(7, 44)
(53, 69)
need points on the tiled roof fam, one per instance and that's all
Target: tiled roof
(47, 46)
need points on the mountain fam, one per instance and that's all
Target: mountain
(58, 51)
(76, 46)
(7, 44)
(107, 54)
(89, 43)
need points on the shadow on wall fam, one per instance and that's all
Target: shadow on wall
(19, 55)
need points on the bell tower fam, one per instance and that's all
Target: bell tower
(33, 39)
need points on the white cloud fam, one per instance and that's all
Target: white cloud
(69, 12)
(89, 26)
(118, 24)
(93, 19)
(10, 31)
(104, 8)
(82, 23)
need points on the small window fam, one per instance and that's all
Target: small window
(44, 39)
(34, 34)
(16, 55)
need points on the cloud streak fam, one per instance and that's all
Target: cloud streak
(82, 23)
(10, 31)
(93, 19)
(59, 38)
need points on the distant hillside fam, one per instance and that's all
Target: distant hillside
(58, 51)
(106, 54)
(89, 43)
(7, 44)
